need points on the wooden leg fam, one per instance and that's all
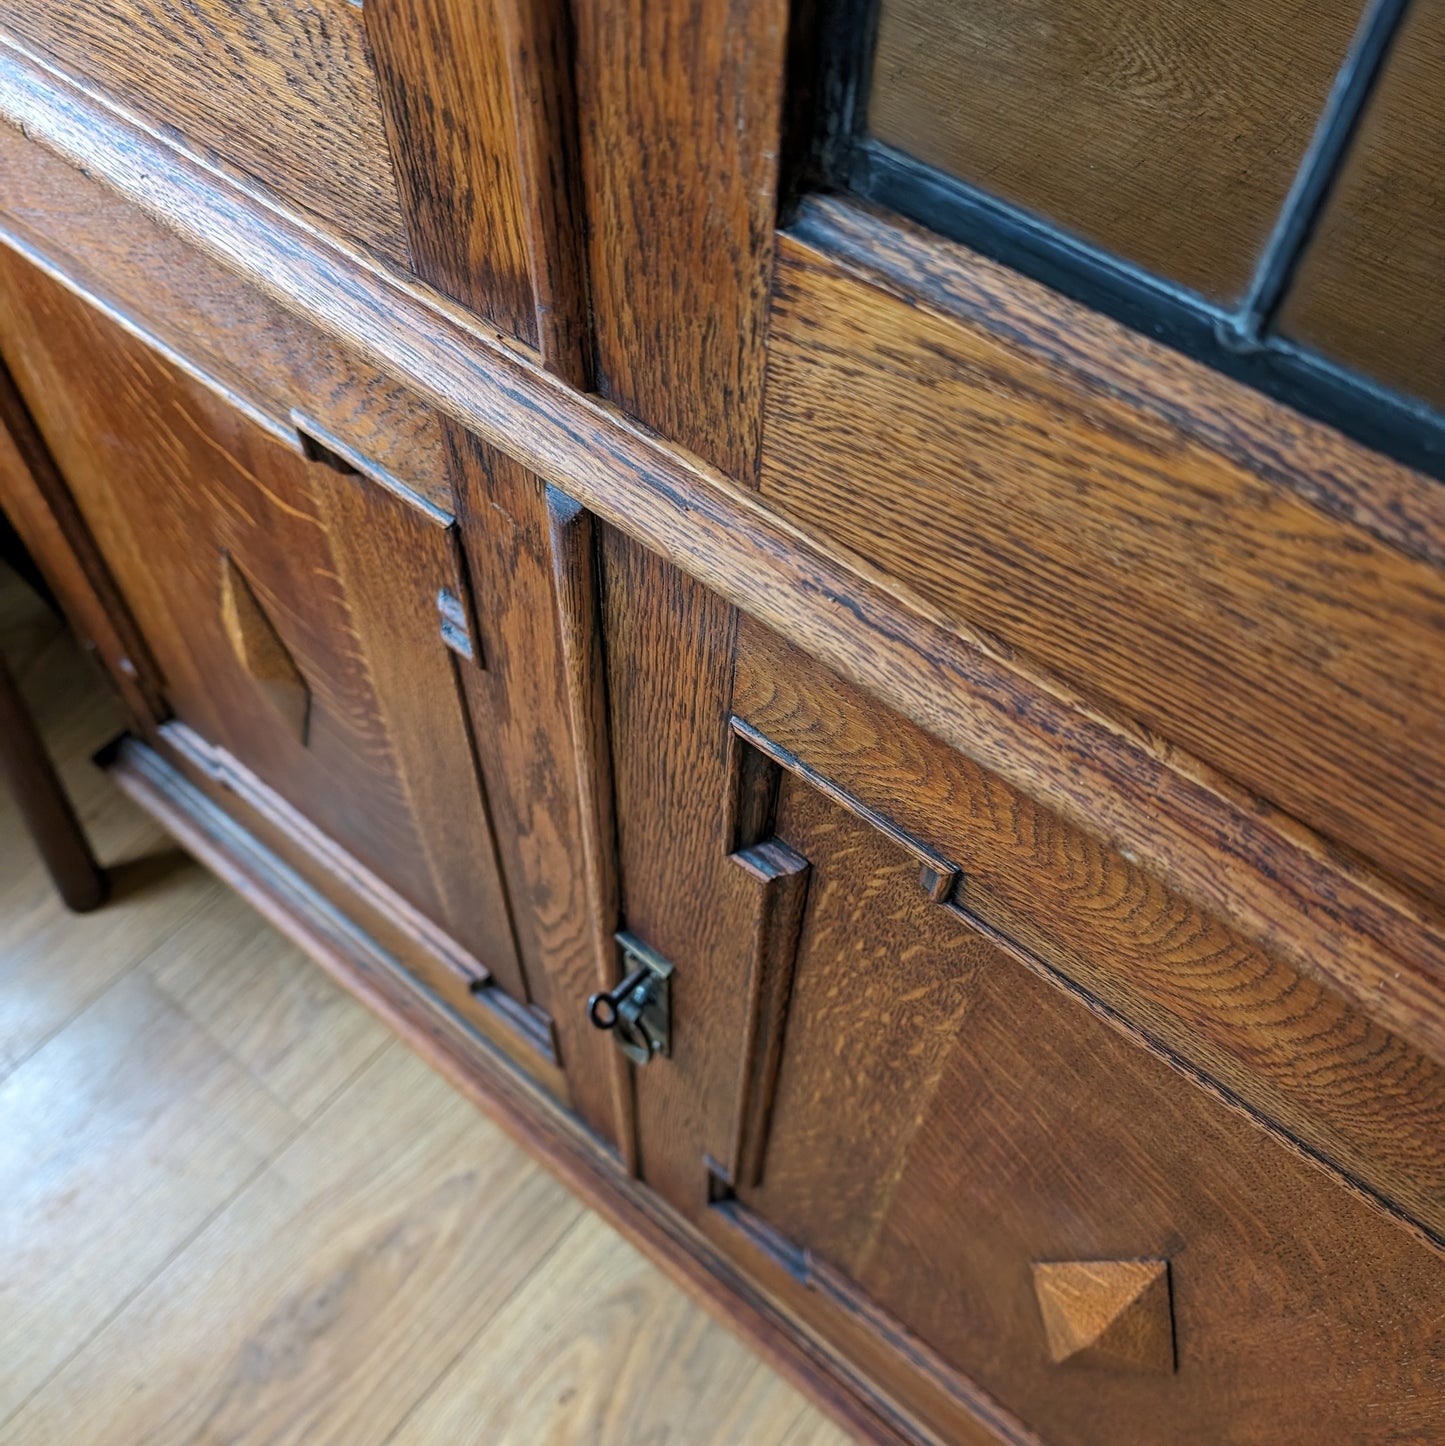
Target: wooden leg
(43, 804)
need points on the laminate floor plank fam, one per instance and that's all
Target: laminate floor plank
(39, 991)
(234, 1209)
(265, 1005)
(325, 1300)
(813, 1429)
(601, 1348)
(119, 1140)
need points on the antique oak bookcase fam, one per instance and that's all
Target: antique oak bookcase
(837, 609)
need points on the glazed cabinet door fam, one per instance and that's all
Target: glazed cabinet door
(898, 1094)
(307, 612)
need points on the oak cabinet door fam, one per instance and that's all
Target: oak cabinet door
(308, 620)
(900, 1093)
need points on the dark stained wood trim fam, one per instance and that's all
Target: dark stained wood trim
(1202, 835)
(44, 805)
(778, 875)
(523, 1109)
(579, 629)
(521, 732)
(680, 197)
(943, 873)
(480, 118)
(521, 1030)
(441, 69)
(975, 1412)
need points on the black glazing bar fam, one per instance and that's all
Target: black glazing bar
(1317, 174)
(1402, 427)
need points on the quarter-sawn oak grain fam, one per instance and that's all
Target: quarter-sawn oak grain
(1273, 641)
(1219, 847)
(993, 950)
(283, 91)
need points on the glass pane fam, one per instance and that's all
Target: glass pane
(1167, 131)
(1371, 290)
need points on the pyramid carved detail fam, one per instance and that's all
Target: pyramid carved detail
(1108, 1314)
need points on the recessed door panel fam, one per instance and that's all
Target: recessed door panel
(307, 618)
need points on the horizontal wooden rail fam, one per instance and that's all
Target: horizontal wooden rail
(1197, 831)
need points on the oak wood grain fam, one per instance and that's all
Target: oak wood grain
(1216, 846)
(260, 1006)
(1336, 1080)
(1109, 1314)
(679, 113)
(285, 92)
(442, 70)
(1384, 498)
(1274, 642)
(399, 934)
(575, 580)
(944, 1119)
(1168, 133)
(531, 1116)
(260, 651)
(173, 477)
(522, 732)
(780, 879)
(37, 503)
(540, 66)
(150, 280)
(669, 675)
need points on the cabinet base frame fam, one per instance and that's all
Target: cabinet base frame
(522, 1108)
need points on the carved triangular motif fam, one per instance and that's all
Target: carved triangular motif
(1114, 1314)
(261, 652)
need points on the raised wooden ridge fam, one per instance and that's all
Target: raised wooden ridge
(1218, 846)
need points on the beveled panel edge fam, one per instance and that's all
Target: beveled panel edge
(1215, 844)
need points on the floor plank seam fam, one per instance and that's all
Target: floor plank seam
(137, 963)
(207, 1028)
(481, 1329)
(127, 1300)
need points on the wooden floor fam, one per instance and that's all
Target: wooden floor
(232, 1208)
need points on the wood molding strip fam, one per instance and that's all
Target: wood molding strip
(540, 64)
(1398, 505)
(478, 102)
(579, 628)
(172, 785)
(962, 1395)
(778, 877)
(441, 74)
(1201, 834)
(941, 873)
(679, 197)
